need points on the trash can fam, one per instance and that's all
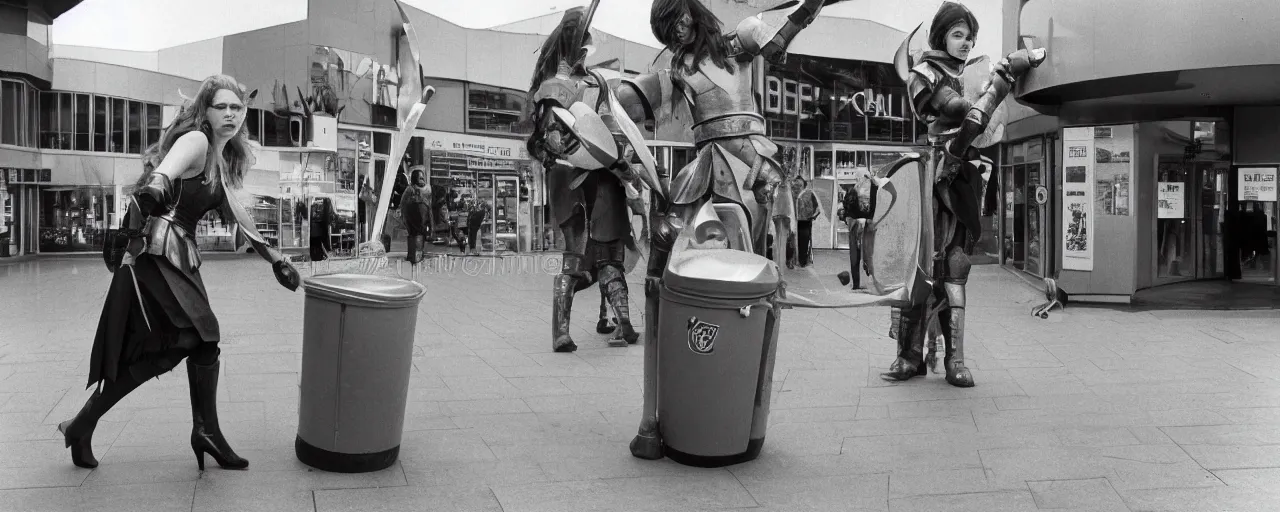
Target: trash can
(717, 335)
(357, 349)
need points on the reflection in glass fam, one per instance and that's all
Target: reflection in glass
(135, 127)
(84, 113)
(1173, 232)
(100, 125)
(73, 219)
(117, 125)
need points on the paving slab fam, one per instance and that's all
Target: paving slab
(1093, 409)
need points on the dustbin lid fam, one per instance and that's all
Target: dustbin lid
(365, 290)
(721, 273)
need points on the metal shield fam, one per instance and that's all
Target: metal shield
(598, 148)
(893, 242)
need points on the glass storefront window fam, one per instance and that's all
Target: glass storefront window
(66, 121)
(84, 114)
(49, 120)
(74, 219)
(155, 115)
(100, 125)
(495, 109)
(1173, 232)
(33, 117)
(816, 98)
(117, 125)
(135, 127)
(11, 94)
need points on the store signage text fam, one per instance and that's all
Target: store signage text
(1257, 184)
(487, 146)
(1078, 152)
(791, 97)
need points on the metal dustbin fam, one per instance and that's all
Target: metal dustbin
(718, 329)
(357, 349)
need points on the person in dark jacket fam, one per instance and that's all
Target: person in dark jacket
(323, 217)
(858, 206)
(807, 210)
(415, 210)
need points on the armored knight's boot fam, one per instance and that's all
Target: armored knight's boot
(952, 320)
(615, 286)
(911, 331)
(562, 304)
(603, 326)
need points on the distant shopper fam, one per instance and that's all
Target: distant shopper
(858, 207)
(807, 210)
(475, 220)
(415, 210)
(157, 311)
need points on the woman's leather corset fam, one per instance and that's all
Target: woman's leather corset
(170, 239)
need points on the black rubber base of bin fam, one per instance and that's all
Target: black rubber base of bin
(344, 462)
(701, 461)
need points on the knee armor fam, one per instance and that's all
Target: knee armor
(958, 266)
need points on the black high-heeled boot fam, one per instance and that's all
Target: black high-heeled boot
(78, 431)
(206, 436)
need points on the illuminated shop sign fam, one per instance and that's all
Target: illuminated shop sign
(785, 96)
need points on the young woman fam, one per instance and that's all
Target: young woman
(157, 311)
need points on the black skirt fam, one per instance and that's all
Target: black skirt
(153, 325)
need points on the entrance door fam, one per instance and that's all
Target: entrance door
(1191, 202)
(1256, 238)
(1036, 221)
(1212, 208)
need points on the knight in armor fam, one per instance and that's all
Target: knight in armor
(585, 178)
(936, 91)
(711, 72)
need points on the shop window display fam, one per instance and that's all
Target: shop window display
(74, 219)
(817, 98)
(495, 109)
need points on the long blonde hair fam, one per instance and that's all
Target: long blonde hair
(238, 153)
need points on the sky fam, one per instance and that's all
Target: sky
(156, 24)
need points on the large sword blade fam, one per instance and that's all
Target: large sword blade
(397, 155)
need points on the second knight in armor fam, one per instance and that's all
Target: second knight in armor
(585, 173)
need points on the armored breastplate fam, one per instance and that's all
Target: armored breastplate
(722, 105)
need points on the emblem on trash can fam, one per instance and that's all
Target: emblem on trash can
(702, 336)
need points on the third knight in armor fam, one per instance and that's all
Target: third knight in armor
(936, 91)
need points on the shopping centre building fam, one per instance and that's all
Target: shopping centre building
(76, 120)
(1138, 156)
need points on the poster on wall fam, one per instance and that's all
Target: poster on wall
(1077, 198)
(1257, 184)
(1113, 150)
(1170, 200)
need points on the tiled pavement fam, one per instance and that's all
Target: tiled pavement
(1093, 409)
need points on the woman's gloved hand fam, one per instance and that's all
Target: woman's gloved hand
(286, 275)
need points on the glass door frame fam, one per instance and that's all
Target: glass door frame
(1193, 206)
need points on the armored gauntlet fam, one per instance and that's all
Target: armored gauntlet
(156, 197)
